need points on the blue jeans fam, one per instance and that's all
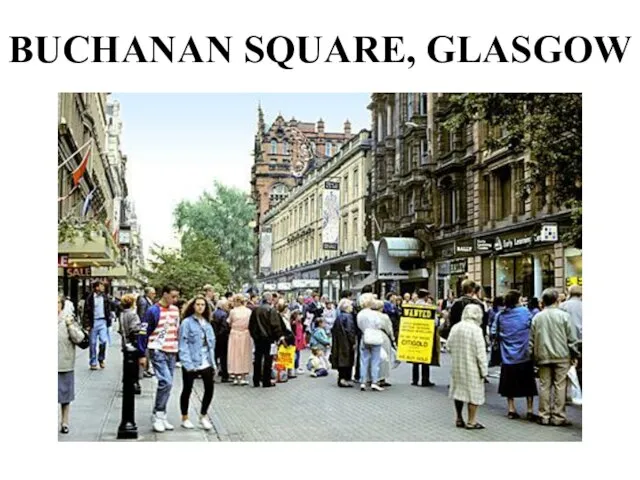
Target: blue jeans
(370, 356)
(99, 332)
(297, 365)
(164, 364)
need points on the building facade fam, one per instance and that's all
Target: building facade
(284, 153)
(446, 208)
(89, 127)
(317, 234)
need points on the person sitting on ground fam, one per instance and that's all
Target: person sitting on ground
(318, 363)
(319, 337)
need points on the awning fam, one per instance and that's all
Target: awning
(391, 252)
(368, 280)
(88, 253)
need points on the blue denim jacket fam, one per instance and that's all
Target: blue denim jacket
(191, 344)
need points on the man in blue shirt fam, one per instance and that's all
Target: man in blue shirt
(97, 319)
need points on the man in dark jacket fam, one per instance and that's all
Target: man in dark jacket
(221, 328)
(143, 304)
(468, 290)
(265, 328)
(97, 319)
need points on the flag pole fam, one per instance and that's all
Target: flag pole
(68, 159)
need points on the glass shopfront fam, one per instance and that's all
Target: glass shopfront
(528, 272)
(573, 266)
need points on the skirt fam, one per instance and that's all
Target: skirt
(517, 380)
(66, 387)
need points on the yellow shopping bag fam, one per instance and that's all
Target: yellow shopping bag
(286, 356)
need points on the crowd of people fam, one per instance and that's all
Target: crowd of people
(239, 335)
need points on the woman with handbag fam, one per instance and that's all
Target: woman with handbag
(388, 344)
(370, 323)
(511, 330)
(69, 335)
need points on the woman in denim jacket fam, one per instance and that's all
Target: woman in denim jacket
(197, 353)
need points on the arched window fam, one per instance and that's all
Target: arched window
(274, 147)
(285, 148)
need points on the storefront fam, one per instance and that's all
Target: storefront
(573, 267)
(520, 261)
(452, 267)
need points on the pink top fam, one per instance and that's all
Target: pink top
(299, 333)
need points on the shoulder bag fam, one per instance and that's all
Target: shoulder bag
(373, 337)
(495, 358)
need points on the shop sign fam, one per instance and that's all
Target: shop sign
(464, 248)
(458, 267)
(269, 286)
(299, 283)
(443, 269)
(418, 273)
(284, 286)
(483, 245)
(574, 281)
(79, 272)
(63, 261)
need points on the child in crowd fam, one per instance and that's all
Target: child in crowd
(318, 363)
(319, 337)
(297, 325)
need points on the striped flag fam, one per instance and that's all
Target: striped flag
(79, 172)
(87, 203)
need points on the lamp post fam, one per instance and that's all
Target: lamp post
(128, 428)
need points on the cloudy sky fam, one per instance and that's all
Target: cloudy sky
(178, 144)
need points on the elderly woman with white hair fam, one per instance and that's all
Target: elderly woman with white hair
(344, 337)
(371, 324)
(388, 345)
(468, 365)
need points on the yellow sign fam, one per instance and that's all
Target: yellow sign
(286, 356)
(574, 281)
(417, 333)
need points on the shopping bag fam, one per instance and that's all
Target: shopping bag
(576, 391)
(286, 356)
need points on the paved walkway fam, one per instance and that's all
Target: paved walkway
(304, 409)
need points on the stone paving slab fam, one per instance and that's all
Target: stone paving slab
(303, 409)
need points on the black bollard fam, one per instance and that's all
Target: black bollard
(128, 428)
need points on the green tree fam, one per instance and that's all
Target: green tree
(197, 263)
(549, 126)
(224, 216)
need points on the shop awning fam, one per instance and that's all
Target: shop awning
(400, 247)
(83, 253)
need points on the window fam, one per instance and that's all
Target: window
(504, 197)
(345, 235)
(356, 184)
(345, 189)
(279, 192)
(486, 198)
(518, 185)
(423, 104)
(410, 203)
(423, 152)
(448, 202)
(355, 234)
(389, 120)
(312, 211)
(380, 120)
(285, 148)
(409, 106)
(313, 148)
(327, 149)
(274, 147)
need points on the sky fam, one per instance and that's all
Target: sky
(178, 144)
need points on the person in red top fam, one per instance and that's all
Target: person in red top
(162, 323)
(297, 325)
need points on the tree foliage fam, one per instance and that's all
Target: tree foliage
(223, 215)
(196, 264)
(549, 126)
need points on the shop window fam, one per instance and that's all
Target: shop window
(486, 276)
(548, 271)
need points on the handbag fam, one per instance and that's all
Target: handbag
(495, 358)
(372, 337)
(84, 343)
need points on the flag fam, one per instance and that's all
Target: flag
(79, 172)
(87, 203)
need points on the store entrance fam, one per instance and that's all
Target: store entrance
(515, 273)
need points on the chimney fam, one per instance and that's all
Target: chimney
(321, 127)
(347, 128)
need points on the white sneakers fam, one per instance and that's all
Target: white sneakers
(376, 387)
(187, 424)
(300, 371)
(205, 423)
(160, 422)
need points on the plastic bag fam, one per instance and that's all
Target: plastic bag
(576, 391)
